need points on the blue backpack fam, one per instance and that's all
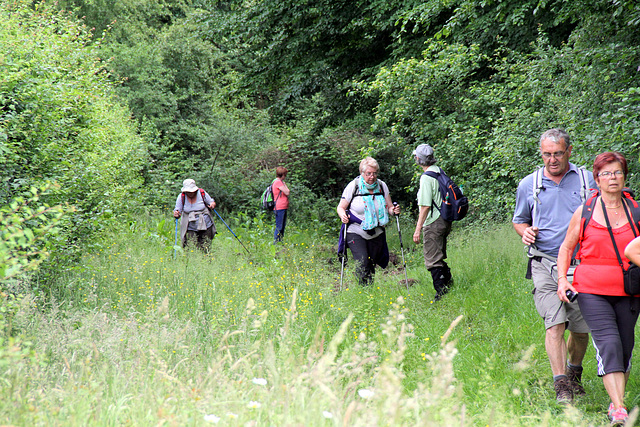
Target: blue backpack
(455, 205)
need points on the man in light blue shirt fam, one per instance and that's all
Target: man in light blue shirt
(545, 202)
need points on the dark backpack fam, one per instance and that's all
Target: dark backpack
(266, 200)
(455, 205)
(628, 199)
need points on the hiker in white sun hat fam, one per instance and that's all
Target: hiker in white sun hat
(193, 205)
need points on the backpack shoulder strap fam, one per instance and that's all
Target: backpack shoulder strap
(356, 194)
(355, 190)
(203, 201)
(587, 213)
(382, 190)
(443, 190)
(536, 189)
(584, 183)
(432, 174)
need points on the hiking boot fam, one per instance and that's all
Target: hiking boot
(448, 277)
(442, 292)
(575, 378)
(439, 282)
(564, 392)
(618, 416)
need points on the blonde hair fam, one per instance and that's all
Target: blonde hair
(369, 162)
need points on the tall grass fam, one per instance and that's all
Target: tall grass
(135, 335)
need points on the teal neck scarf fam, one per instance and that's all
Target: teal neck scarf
(373, 217)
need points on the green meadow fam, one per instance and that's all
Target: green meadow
(141, 333)
(106, 106)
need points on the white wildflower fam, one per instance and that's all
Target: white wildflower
(211, 419)
(327, 414)
(365, 394)
(259, 381)
(232, 415)
(254, 405)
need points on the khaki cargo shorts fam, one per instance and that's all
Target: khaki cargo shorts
(551, 309)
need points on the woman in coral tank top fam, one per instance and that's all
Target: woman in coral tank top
(610, 313)
(281, 196)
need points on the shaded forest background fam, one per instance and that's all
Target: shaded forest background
(107, 105)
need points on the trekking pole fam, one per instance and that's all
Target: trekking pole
(234, 234)
(406, 281)
(344, 252)
(175, 241)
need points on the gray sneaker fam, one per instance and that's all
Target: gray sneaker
(575, 379)
(564, 391)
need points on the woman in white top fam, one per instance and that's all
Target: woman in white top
(364, 208)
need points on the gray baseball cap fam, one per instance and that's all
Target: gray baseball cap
(423, 151)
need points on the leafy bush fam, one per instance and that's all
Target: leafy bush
(26, 231)
(60, 122)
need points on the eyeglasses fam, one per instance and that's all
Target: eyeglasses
(607, 174)
(368, 174)
(556, 155)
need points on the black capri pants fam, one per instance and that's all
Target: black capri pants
(366, 253)
(612, 321)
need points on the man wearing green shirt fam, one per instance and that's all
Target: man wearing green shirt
(433, 228)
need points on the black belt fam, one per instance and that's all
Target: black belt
(539, 259)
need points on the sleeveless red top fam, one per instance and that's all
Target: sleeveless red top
(599, 272)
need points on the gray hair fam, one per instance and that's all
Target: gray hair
(369, 162)
(425, 161)
(555, 135)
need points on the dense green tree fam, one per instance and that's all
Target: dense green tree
(486, 129)
(289, 51)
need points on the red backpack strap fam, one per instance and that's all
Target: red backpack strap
(206, 206)
(201, 193)
(587, 213)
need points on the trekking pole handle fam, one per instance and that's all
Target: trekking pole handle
(394, 205)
